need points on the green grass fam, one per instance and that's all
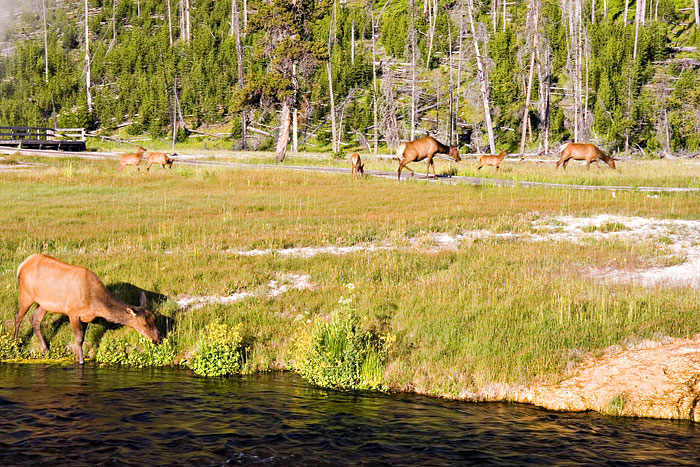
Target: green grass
(490, 311)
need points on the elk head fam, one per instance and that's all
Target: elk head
(144, 321)
(454, 154)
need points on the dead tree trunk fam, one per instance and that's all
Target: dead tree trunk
(483, 80)
(545, 85)
(283, 137)
(46, 43)
(187, 21)
(534, 8)
(87, 60)
(413, 41)
(170, 22)
(295, 85)
(375, 25)
(236, 31)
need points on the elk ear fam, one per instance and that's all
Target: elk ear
(131, 312)
(143, 299)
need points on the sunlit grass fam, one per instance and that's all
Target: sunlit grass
(491, 311)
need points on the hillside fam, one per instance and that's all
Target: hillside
(397, 70)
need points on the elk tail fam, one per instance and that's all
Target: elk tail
(400, 150)
(563, 146)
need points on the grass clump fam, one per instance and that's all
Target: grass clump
(9, 347)
(219, 351)
(118, 351)
(338, 353)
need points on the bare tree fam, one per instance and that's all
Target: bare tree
(46, 43)
(413, 43)
(533, 18)
(187, 21)
(375, 26)
(87, 59)
(331, 41)
(389, 123)
(432, 23)
(236, 32)
(697, 13)
(544, 70)
(483, 79)
(283, 138)
(170, 23)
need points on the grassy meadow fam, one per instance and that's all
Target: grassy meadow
(489, 311)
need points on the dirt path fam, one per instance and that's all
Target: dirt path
(450, 179)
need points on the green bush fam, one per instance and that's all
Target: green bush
(337, 353)
(8, 347)
(219, 351)
(119, 352)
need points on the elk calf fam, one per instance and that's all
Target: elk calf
(487, 159)
(159, 158)
(74, 291)
(357, 165)
(131, 159)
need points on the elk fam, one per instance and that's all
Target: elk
(488, 159)
(420, 149)
(131, 159)
(159, 158)
(77, 292)
(583, 152)
(357, 165)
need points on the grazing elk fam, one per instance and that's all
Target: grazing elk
(357, 165)
(77, 292)
(131, 159)
(487, 159)
(159, 158)
(583, 152)
(420, 149)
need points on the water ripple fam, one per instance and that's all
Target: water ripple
(118, 416)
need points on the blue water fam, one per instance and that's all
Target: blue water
(116, 416)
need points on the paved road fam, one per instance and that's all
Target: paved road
(451, 179)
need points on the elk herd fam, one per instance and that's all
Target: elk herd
(425, 149)
(77, 292)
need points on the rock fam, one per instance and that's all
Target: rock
(654, 379)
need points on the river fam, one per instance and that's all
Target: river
(60, 415)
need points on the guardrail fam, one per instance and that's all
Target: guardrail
(40, 133)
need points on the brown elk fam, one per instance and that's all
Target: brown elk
(357, 165)
(583, 152)
(159, 158)
(58, 287)
(423, 148)
(131, 159)
(488, 159)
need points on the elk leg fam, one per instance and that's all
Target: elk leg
(149, 166)
(36, 320)
(25, 302)
(78, 332)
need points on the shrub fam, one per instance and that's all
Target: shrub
(337, 353)
(219, 351)
(119, 352)
(8, 347)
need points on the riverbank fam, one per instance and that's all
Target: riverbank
(478, 288)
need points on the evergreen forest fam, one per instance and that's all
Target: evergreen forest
(334, 74)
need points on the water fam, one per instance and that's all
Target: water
(91, 415)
